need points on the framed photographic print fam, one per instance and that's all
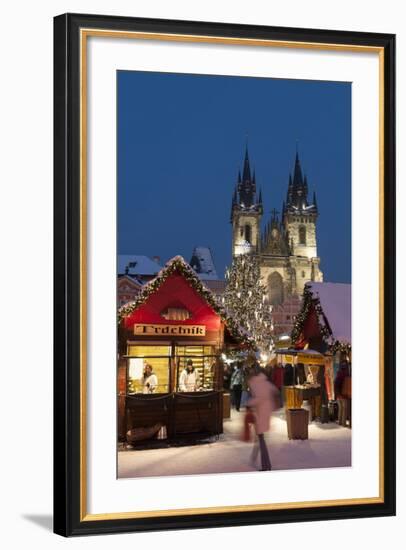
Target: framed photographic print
(224, 274)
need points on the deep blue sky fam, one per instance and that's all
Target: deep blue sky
(181, 141)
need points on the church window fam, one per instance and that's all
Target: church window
(303, 274)
(302, 234)
(248, 233)
(275, 288)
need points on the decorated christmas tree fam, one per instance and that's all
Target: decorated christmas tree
(246, 298)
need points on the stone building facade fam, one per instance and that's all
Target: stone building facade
(286, 244)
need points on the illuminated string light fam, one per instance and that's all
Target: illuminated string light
(246, 298)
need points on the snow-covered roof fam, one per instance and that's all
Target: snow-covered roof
(203, 264)
(137, 264)
(130, 279)
(335, 301)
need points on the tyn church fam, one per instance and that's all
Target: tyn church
(286, 245)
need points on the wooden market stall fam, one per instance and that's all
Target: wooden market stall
(324, 324)
(170, 372)
(304, 379)
(324, 321)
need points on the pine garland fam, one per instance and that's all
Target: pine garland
(178, 265)
(340, 347)
(246, 298)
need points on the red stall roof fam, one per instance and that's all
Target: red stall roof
(178, 286)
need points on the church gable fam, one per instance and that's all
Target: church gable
(127, 284)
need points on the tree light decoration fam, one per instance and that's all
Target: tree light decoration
(249, 304)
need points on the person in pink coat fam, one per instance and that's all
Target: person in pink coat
(263, 402)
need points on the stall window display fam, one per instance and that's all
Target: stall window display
(148, 358)
(200, 361)
(146, 361)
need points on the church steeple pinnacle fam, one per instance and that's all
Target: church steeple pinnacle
(246, 184)
(297, 175)
(290, 190)
(315, 201)
(305, 184)
(298, 188)
(246, 174)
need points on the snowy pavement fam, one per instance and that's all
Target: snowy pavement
(328, 446)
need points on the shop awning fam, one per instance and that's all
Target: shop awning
(307, 356)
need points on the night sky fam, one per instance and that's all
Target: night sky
(181, 141)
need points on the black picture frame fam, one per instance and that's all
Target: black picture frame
(68, 520)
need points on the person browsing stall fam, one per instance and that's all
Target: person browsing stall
(189, 379)
(149, 380)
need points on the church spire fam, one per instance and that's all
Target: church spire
(305, 184)
(246, 174)
(298, 188)
(315, 200)
(247, 192)
(290, 190)
(297, 175)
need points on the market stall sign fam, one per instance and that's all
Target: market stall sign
(310, 359)
(169, 330)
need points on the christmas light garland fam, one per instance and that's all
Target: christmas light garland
(179, 265)
(340, 347)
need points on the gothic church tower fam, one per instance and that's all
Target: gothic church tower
(299, 216)
(246, 212)
(286, 246)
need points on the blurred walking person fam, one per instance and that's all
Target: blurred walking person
(264, 400)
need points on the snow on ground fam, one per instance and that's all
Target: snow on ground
(328, 446)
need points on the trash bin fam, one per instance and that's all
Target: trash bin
(298, 423)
